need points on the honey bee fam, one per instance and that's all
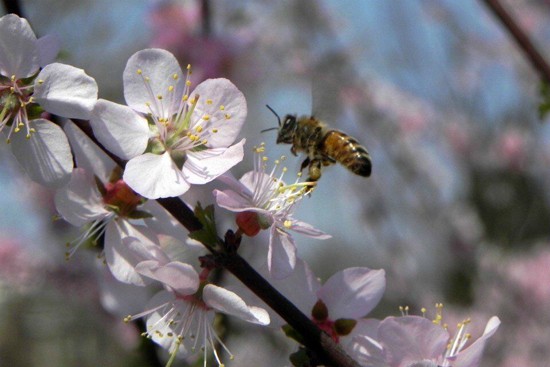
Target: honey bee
(323, 145)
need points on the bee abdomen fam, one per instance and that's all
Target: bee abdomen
(348, 152)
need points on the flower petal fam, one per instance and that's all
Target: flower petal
(204, 166)
(80, 202)
(471, 356)
(352, 293)
(230, 200)
(226, 108)
(87, 154)
(410, 339)
(229, 303)
(308, 230)
(148, 77)
(281, 256)
(65, 91)
(127, 245)
(180, 277)
(155, 176)
(46, 156)
(120, 129)
(18, 48)
(48, 48)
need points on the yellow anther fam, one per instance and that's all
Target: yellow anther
(209, 101)
(175, 76)
(204, 142)
(198, 129)
(148, 104)
(159, 97)
(185, 98)
(188, 83)
(188, 66)
(222, 107)
(287, 224)
(40, 81)
(227, 116)
(206, 117)
(171, 88)
(12, 78)
(139, 71)
(265, 159)
(214, 130)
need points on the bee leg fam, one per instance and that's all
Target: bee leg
(305, 163)
(314, 173)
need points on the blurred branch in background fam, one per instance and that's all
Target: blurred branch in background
(521, 38)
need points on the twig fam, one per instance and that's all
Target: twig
(521, 38)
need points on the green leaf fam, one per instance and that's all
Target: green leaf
(207, 235)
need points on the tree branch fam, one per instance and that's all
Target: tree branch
(521, 38)
(314, 339)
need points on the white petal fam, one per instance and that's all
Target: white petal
(126, 246)
(228, 121)
(308, 230)
(18, 48)
(179, 277)
(65, 91)
(80, 201)
(155, 176)
(120, 129)
(87, 154)
(204, 166)
(229, 303)
(46, 156)
(48, 48)
(281, 256)
(158, 67)
(352, 293)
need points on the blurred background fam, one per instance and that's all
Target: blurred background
(456, 210)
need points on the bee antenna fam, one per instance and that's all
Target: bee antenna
(275, 113)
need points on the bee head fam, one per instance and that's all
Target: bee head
(286, 128)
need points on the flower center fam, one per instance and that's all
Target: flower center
(15, 96)
(121, 198)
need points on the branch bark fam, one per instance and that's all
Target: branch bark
(521, 38)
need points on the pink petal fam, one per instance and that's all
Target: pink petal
(471, 356)
(308, 230)
(352, 293)
(48, 48)
(411, 339)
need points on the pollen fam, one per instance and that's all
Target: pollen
(209, 101)
(171, 88)
(139, 71)
(188, 83)
(40, 81)
(227, 116)
(206, 117)
(159, 97)
(287, 223)
(214, 130)
(222, 107)
(198, 129)
(175, 76)
(185, 98)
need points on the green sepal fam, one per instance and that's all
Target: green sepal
(300, 358)
(34, 111)
(100, 186)
(544, 105)
(139, 214)
(344, 326)
(207, 235)
(292, 334)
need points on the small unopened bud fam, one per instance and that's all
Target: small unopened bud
(319, 311)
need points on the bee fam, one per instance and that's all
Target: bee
(322, 145)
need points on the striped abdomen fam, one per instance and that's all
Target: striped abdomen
(347, 151)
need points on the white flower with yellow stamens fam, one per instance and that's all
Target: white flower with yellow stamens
(172, 137)
(263, 200)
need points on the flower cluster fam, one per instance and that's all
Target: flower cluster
(172, 136)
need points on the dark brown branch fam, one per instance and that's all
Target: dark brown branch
(13, 6)
(521, 38)
(314, 339)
